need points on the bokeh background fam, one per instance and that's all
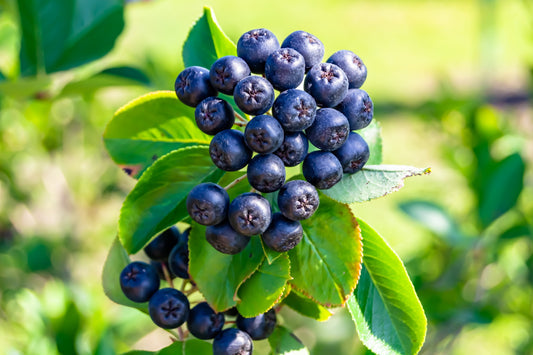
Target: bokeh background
(451, 83)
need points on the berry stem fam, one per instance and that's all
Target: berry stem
(167, 274)
(237, 115)
(190, 291)
(240, 124)
(184, 285)
(181, 334)
(235, 182)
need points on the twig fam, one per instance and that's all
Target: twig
(167, 274)
(238, 115)
(235, 182)
(240, 124)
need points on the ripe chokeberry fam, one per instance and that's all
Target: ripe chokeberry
(249, 213)
(327, 83)
(226, 72)
(254, 95)
(255, 46)
(266, 172)
(229, 151)
(354, 154)
(159, 248)
(139, 281)
(214, 115)
(282, 234)
(298, 200)
(168, 308)
(285, 69)
(204, 322)
(308, 45)
(322, 169)
(263, 134)
(352, 65)
(178, 261)
(293, 149)
(294, 109)
(329, 131)
(207, 203)
(259, 327)
(232, 341)
(358, 109)
(225, 239)
(192, 86)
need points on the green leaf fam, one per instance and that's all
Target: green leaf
(271, 255)
(206, 42)
(129, 73)
(150, 127)
(434, 218)
(385, 308)
(189, 347)
(117, 259)
(218, 275)
(502, 188)
(264, 288)
(158, 200)
(283, 342)
(325, 265)
(372, 182)
(113, 77)
(62, 34)
(372, 136)
(306, 306)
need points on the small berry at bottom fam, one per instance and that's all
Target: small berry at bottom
(168, 308)
(282, 234)
(259, 327)
(225, 239)
(354, 154)
(139, 281)
(322, 169)
(298, 200)
(204, 322)
(232, 341)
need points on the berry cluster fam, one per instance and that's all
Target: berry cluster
(169, 308)
(325, 113)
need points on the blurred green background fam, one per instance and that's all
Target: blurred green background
(451, 83)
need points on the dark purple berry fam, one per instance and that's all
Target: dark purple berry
(282, 234)
(329, 131)
(226, 72)
(192, 86)
(322, 169)
(293, 149)
(358, 109)
(285, 69)
(232, 312)
(263, 134)
(266, 172)
(249, 214)
(232, 341)
(255, 46)
(225, 239)
(208, 203)
(168, 308)
(204, 322)
(352, 65)
(159, 248)
(259, 327)
(354, 154)
(254, 95)
(294, 109)
(327, 83)
(229, 151)
(307, 45)
(178, 261)
(298, 200)
(139, 281)
(214, 115)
